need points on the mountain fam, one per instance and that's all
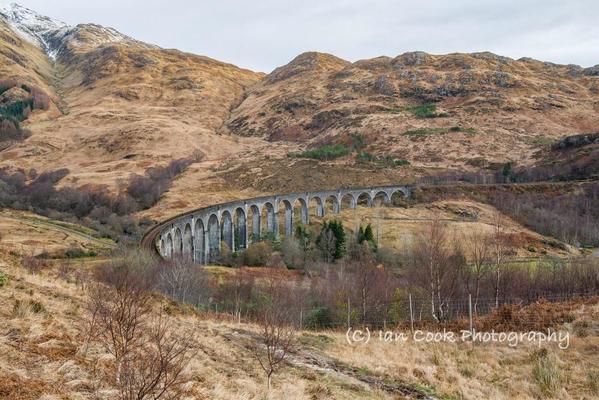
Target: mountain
(37, 29)
(445, 111)
(57, 38)
(117, 106)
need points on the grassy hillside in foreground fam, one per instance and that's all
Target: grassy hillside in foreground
(41, 356)
(30, 234)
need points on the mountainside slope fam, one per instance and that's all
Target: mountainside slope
(119, 106)
(500, 109)
(124, 104)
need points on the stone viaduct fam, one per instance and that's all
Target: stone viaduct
(199, 234)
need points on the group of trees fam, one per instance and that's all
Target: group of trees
(570, 217)
(15, 111)
(96, 207)
(147, 189)
(367, 284)
(149, 350)
(360, 282)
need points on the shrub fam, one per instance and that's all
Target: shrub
(76, 252)
(21, 309)
(358, 141)
(258, 254)
(319, 318)
(3, 279)
(364, 157)
(460, 129)
(593, 381)
(545, 371)
(425, 132)
(36, 307)
(326, 152)
(32, 264)
(428, 110)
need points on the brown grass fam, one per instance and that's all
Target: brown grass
(41, 354)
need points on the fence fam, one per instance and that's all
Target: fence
(537, 312)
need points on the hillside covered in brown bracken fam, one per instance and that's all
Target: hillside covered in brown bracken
(119, 106)
(439, 111)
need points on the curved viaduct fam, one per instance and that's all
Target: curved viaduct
(198, 234)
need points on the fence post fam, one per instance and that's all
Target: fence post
(411, 315)
(470, 312)
(348, 314)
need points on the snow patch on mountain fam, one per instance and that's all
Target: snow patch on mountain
(55, 37)
(33, 27)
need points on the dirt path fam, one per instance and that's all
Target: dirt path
(309, 358)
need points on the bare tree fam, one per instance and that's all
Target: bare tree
(365, 276)
(154, 370)
(148, 355)
(32, 264)
(328, 245)
(277, 333)
(478, 252)
(118, 317)
(293, 254)
(432, 253)
(499, 248)
(180, 280)
(237, 290)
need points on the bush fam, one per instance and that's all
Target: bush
(76, 252)
(364, 157)
(425, 132)
(428, 110)
(319, 318)
(326, 152)
(460, 129)
(148, 189)
(545, 371)
(32, 264)
(36, 307)
(22, 308)
(3, 279)
(258, 254)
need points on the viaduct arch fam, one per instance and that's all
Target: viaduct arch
(199, 234)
